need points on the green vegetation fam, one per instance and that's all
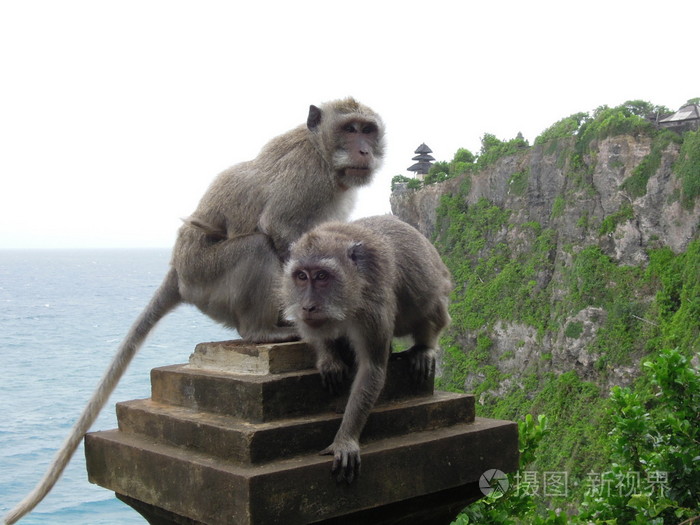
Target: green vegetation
(584, 130)
(609, 224)
(515, 282)
(565, 128)
(494, 282)
(411, 183)
(463, 162)
(574, 329)
(608, 122)
(688, 168)
(518, 182)
(653, 447)
(558, 206)
(493, 149)
(636, 184)
(631, 118)
(521, 274)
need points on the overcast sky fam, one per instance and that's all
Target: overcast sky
(116, 115)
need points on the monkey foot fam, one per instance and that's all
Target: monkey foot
(421, 360)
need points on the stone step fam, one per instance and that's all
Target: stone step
(297, 490)
(237, 440)
(258, 398)
(241, 357)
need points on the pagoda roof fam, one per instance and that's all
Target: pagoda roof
(423, 156)
(420, 167)
(423, 149)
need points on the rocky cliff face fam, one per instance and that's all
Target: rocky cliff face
(584, 203)
(658, 215)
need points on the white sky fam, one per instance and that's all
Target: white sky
(116, 115)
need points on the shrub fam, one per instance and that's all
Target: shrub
(493, 149)
(567, 127)
(574, 329)
(687, 168)
(636, 184)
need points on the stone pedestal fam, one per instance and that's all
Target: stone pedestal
(233, 438)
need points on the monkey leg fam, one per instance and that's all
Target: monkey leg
(234, 282)
(421, 356)
(426, 332)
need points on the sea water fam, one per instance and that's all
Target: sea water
(62, 316)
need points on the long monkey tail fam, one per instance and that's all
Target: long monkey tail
(164, 300)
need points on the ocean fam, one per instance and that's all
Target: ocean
(62, 316)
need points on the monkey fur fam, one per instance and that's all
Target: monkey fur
(365, 282)
(229, 254)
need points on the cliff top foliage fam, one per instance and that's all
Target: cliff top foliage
(634, 117)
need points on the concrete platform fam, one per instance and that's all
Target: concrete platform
(227, 444)
(299, 489)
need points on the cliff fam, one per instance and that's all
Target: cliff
(550, 248)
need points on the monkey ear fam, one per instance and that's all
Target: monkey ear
(314, 118)
(356, 252)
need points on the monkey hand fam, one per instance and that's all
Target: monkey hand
(333, 374)
(346, 459)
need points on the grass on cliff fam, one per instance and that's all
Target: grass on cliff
(519, 282)
(519, 274)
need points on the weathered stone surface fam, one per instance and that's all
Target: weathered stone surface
(438, 508)
(572, 202)
(234, 439)
(239, 357)
(215, 447)
(260, 398)
(299, 489)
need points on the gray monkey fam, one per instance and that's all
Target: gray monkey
(363, 283)
(229, 254)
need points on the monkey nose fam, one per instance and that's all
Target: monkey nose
(309, 308)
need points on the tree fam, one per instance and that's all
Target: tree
(464, 155)
(399, 179)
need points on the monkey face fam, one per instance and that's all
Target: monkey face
(358, 154)
(312, 284)
(350, 137)
(314, 288)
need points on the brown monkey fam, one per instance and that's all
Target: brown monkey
(363, 283)
(230, 252)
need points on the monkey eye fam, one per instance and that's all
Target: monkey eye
(369, 128)
(301, 275)
(322, 276)
(349, 128)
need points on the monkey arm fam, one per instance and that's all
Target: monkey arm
(366, 387)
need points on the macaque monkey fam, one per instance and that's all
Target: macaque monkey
(229, 253)
(362, 283)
